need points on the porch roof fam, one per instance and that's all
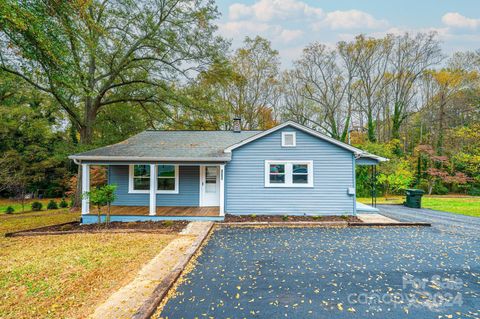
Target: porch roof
(170, 146)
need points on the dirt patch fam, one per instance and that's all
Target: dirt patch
(162, 226)
(277, 218)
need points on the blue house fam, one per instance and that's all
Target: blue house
(289, 169)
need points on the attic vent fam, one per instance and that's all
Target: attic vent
(237, 125)
(289, 139)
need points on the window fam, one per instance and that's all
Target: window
(288, 174)
(277, 173)
(289, 139)
(139, 179)
(166, 177)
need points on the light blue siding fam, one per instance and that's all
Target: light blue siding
(245, 191)
(188, 194)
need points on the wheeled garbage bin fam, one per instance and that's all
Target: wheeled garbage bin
(414, 198)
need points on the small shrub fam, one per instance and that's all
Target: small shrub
(66, 227)
(63, 203)
(9, 210)
(52, 204)
(474, 191)
(168, 223)
(37, 206)
(285, 217)
(344, 217)
(439, 189)
(253, 215)
(317, 217)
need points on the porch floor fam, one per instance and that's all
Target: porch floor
(161, 210)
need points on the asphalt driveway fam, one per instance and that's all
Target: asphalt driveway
(444, 221)
(394, 272)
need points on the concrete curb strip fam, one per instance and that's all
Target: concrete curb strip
(150, 305)
(100, 231)
(299, 224)
(321, 224)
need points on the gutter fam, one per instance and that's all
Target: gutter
(76, 159)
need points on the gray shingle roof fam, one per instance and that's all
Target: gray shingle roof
(173, 145)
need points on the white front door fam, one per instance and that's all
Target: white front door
(210, 186)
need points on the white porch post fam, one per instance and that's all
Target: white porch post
(222, 190)
(153, 189)
(85, 188)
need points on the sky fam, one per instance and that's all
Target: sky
(292, 24)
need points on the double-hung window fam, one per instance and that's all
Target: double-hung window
(167, 179)
(140, 178)
(288, 173)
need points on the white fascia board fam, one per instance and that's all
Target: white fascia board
(149, 159)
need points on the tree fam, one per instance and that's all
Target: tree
(372, 61)
(254, 90)
(395, 176)
(443, 86)
(294, 105)
(32, 140)
(94, 54)
(101, 196)
(327, 86)
(410, 57)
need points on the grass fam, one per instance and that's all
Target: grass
(17, 205)
(66, 276)
(469, 206)
(17, 222)
(465, 205)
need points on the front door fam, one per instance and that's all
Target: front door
(210, 185)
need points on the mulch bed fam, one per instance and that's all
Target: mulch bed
(288, 219)
(76, 227)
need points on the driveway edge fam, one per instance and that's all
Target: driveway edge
(150, 305)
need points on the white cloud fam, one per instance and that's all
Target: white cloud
(269, 10)
(240, 29)
(238, 10)
(289, 35)
(456, 20)
(351, 19)
(442, 33)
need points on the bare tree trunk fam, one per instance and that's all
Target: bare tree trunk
(77, 199)
(441, 119)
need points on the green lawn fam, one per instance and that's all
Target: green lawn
(465, 205)
(17, 205)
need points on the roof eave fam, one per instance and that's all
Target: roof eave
(147, 159)
(372, 156)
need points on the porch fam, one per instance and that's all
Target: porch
(159, 191)
(162, 211)
(142, 214)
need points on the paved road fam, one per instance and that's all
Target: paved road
(457, 223)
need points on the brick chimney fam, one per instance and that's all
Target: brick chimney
(237, 125)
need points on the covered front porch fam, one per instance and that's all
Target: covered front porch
(159, 191)
(162, 211)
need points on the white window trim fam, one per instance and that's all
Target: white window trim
(288, 173)
(293, 134)
(133, 191)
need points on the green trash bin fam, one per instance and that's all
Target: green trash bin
(414, 198)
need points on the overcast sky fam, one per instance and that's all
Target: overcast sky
(291, 24)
